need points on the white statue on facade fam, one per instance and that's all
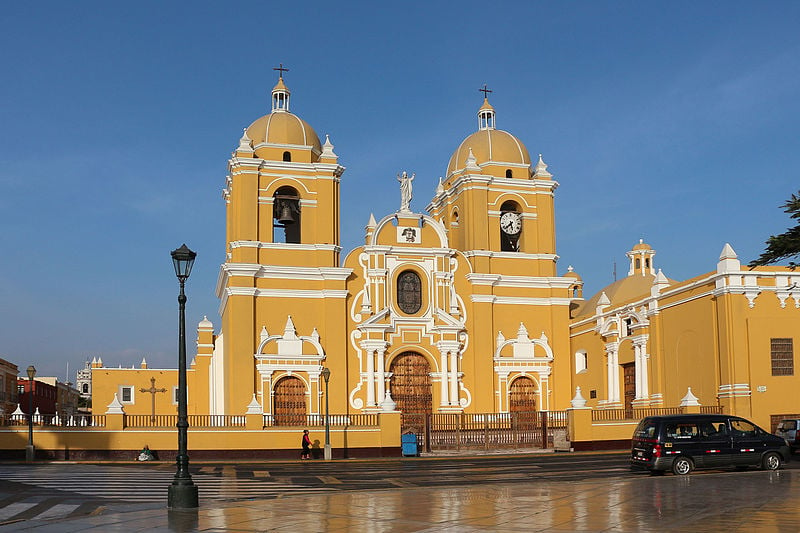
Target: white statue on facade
(405, 190)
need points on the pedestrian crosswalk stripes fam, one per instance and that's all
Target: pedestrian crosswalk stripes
(124, 485)
(146, 485)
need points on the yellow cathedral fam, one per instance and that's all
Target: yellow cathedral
(456, 309)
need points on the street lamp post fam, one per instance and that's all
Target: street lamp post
(183, 492)
(30, 451)
(326, 375)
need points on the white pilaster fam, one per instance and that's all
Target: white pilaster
(370, 354)
(380, 373)
(443, 379)
(645, 374)
(637, 358)
(454, 378)
(613, 371)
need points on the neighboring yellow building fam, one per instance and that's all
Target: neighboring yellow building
(729, 335)
(459, 309)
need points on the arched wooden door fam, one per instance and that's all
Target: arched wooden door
(522, 403)
(289, 402)
(410, 386)
(522, 395)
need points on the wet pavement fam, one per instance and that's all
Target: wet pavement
(706, 501)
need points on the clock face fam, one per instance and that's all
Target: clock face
(511, 223)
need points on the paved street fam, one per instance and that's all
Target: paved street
(561, 492)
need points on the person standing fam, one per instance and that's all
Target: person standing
(306, 453)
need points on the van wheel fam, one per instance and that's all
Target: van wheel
(682, 466)
(771, 461)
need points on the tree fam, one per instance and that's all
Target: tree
(787, 244)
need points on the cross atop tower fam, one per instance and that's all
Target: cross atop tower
(485, 91)
(280, 69)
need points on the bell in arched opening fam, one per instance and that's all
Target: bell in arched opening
(286, 215)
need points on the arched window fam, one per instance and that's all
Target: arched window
(409, 292)
(508, 173)
(85, 388)
(287, 156)
(581, 361)
(510, 226)
(286, 214)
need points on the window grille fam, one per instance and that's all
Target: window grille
(782, 355)
(409, 292)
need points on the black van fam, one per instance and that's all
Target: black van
(683, 442)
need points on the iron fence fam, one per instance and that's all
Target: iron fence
(318, 420)
(456, 431)
(171, 421)
(601, 415)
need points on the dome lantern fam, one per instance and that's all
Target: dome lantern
(486, 112)
(641, 258)
(280, 93)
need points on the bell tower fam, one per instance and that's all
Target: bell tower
(498, 208)
(282, 244)
(496, 205)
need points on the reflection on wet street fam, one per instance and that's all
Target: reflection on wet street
(710, 501)
(714, 501)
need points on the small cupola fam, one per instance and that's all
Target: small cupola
(280, 93)
(486, 112)
(641, 258)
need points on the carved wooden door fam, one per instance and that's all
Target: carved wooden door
(629, 381)
(522, 403)
(411, 389)
(290, 402)
(522, 395)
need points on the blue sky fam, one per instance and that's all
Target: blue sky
(676, 122)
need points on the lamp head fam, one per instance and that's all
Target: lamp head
(182, 260)
(31, 372)
(326, 374)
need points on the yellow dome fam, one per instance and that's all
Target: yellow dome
(493, 145)
(283, 128)
(642, 246)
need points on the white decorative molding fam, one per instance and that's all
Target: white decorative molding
(114, 408)
(518, 300)
(578, 401)
(388, 405)
(510, 255)
(690, 399)
(735, 390)
(526, 282)
(409, 235)
(254, 408)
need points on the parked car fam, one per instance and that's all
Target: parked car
(681, 443)
(787, 429)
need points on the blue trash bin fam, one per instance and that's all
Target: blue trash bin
(409, 446)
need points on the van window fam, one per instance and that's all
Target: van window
(714, 428)
(787, 425)
(743, 428)
(682, 430)
(645, 430)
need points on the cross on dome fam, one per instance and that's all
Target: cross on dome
(280, 69)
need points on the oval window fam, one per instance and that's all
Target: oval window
(409, 292)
